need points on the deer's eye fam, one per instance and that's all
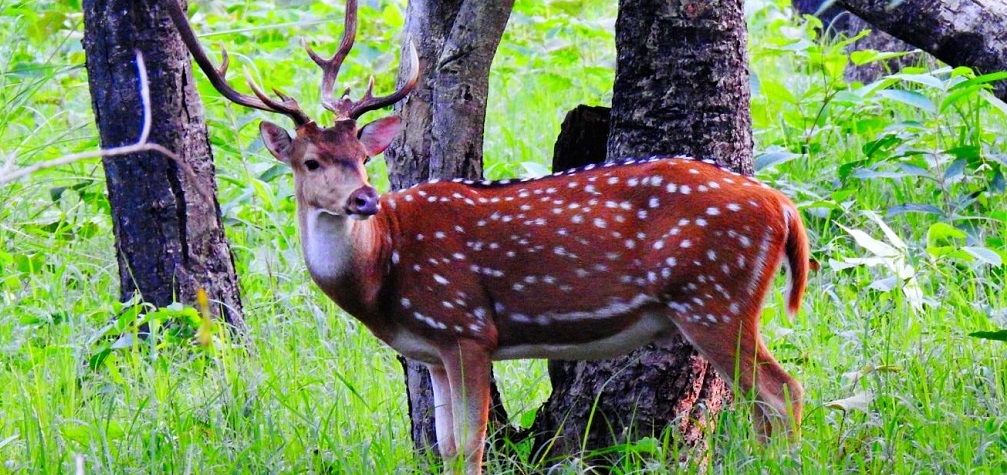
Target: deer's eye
(311, 165)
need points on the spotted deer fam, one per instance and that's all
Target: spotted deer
(583, 264)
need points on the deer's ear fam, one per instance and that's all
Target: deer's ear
(378, 134)
(277, 140)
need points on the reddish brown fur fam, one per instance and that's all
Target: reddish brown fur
(554, 257)
(578, 265)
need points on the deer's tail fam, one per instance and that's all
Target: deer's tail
(797, 259)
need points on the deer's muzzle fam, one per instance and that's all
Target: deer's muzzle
(362, 203)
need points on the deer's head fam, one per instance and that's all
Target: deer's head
(328, 162)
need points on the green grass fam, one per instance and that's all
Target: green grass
(313, 392)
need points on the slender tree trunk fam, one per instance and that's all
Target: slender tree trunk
(959, 32)
(456, 41)
(681, 87)
(168, 236)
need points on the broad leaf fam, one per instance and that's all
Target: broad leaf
(534, 169)
(923, 208)
(885, 285)
(999, 335)
(955, 170)
(939, 232)
(995, 102)
(984, 79)
(868, 174)
(984, 255)
(922, 79)
(876, 247)
(771, 159)
(892, 237)
(860, 402)
(909, 98)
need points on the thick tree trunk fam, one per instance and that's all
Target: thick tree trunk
(681, 88)
(445, 114)
(169, 238)
(428, 24)
(958, 32)
(681, 84)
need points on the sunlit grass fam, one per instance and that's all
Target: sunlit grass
(312, 391)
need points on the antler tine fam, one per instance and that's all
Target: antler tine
(287, 105)
(369, 102)
(330, 67)
(225, 62)
(217, 76)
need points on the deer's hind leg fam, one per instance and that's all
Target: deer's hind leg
(735, 349)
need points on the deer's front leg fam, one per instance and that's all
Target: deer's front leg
(443, 420)
(468, 371)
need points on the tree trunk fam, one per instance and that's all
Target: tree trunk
(582, 138)
(681, 84)
(443, 138)
(958, 32)
(681, 87)
(168, 236)
(456, 42)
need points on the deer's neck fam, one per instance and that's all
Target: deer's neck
(344, 257)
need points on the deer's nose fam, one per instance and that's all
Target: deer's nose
(362, 203)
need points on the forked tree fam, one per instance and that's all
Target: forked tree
(442, 137)
(584, 264)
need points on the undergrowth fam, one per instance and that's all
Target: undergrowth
(901, 183)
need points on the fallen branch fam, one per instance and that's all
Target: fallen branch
(959, 32)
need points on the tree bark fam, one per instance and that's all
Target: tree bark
(169, 238)
(681, 88)
(681, 84)
(456, 42)
(443, 138)
(958, 32)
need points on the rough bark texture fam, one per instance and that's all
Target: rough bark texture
(169, 238)
(681, 88)
(443, 138)
(456, 42)
(957, 32)
(681, 84)
(840, 22)
(462, 87)
(427, 24)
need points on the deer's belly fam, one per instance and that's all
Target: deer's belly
(650, 327)
(413, 347)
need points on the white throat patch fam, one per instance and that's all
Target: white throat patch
(327, 244)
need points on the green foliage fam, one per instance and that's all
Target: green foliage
(901, 181)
